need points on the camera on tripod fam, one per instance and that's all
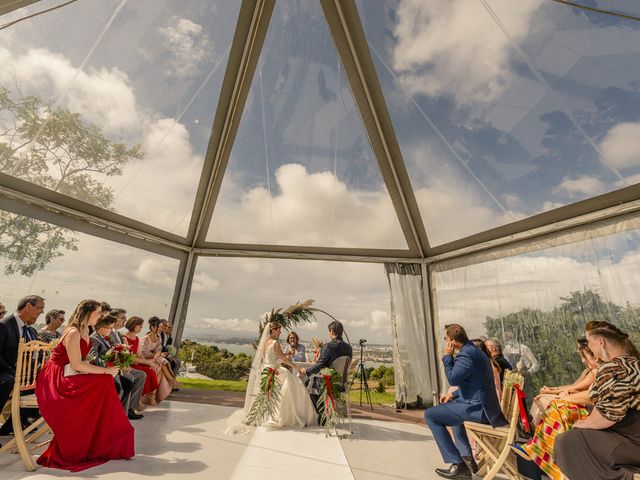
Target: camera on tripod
(362, 341)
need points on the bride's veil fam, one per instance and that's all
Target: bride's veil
(236, 422)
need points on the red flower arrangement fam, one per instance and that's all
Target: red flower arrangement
(119, 355)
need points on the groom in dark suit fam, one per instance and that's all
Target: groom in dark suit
(334, 349)
(12, 329)
(475, 400)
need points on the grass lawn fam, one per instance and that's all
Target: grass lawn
(225, 385)
(241, 386)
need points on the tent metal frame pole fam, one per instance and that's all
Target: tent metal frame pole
(353, 50)
(181, 295)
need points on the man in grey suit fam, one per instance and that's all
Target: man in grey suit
(130, 385)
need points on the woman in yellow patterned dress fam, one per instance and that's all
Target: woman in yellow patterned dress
(559, 417)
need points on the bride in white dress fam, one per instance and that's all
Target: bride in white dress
(296, 408)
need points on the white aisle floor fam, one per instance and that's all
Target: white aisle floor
(185, 441)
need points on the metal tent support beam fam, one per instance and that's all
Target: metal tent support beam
(182, 292)
(351, 43)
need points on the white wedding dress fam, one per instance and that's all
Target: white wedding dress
(295, 409)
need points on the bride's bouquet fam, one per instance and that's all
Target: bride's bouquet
(119, 355)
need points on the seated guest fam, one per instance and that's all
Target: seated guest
(560, 416)
(606, 444)
(129, 390)
(13, 328)
(84, 412)
(495, 349)
(151, 349)
(584, 381)
(53, 319)
(154, 390)
(475, 400)
(294, 350)
(166, 341)
(495, 367)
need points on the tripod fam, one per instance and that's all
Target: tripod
(363, 379)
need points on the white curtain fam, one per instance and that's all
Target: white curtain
(409, 331)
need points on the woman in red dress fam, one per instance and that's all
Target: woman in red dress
(89, 425)
(151, 384)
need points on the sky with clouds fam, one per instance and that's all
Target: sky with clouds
(502, 110)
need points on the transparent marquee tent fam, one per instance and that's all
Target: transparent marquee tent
(407, 163)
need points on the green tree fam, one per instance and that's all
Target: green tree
(552, 335)
(57, 149)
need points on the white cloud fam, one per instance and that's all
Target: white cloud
(234, 325)
(457, 48)
(453, 211)
(203, 282)
(310, 209)
(159, 189)
(381, 320)
(153, 272)
(102, 96)
(583, 185)
(621, 147)
(186, 46)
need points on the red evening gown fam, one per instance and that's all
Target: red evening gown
(151, 382)
(89, 425)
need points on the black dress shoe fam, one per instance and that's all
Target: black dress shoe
(457, 471)
(471, 463)
(134, 416)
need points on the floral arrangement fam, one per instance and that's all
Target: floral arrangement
(119, 355)
(317, 348)
(267, 402)
(330, 398)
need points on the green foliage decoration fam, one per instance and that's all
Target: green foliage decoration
(331, 400)
(266, 405)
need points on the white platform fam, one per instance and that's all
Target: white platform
(179, 440)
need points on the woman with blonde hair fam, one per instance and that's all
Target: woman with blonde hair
(68, 401)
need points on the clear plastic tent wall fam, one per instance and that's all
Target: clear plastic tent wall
(540, 295)
(141, 140)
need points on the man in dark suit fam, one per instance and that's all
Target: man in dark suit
(334, 349)
(13, 328)
(475, 400)
(166, 341)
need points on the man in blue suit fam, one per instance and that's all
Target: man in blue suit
(475, 400)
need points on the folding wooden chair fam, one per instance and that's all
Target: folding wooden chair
(31, 357)
(493, 443)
